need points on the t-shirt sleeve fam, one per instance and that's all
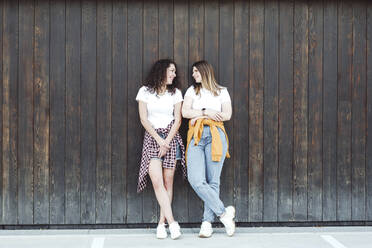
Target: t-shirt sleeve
(225, 96)
(190, 92)
(177, 97)
(142, 95)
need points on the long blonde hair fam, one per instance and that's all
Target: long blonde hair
(208, 80)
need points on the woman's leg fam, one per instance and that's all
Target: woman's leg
(168, 176)
(196, 171)
(213, 172)
(156, 176)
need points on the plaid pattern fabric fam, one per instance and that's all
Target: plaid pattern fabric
(150, 150)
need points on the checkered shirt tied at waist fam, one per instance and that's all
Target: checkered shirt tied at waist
(150, 150)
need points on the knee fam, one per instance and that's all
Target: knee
(214, 185)
(197, 184)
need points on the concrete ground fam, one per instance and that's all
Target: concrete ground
(252, 237)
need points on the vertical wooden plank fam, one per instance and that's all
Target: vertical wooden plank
(345, 15)
(88, 112)
(285, 111)
(104, 92)
(300, 118)
(256, 87)
(196, 51)
(369, 114)
(330, 111)
(135, 25)
(1, 109)
(10, 112)
(271, 81)
(73, 74)
(25, 112)
(211, 33)
(314, 195)
(57, 122)
(119, 112)
(240, 108)
(226, 79)
(41, 113)
(166, 28)
(358, 110)
(180, 51)
(151, 54)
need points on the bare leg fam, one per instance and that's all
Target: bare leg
(156, 175)
(168, 175)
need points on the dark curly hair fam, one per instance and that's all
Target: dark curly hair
(157, 76)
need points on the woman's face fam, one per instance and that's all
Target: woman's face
(171, 74)
(196, 75)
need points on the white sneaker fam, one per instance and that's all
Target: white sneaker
(161, 232)
(205, 230)
(175, 230)
(228, 220)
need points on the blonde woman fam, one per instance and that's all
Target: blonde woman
(208, 105)
(159, 104)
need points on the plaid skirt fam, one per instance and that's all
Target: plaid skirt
(150, 149)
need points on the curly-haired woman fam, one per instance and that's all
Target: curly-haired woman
(208, 105)
(160, 102)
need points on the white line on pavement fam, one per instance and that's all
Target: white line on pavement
(331, 240)
(98, 242)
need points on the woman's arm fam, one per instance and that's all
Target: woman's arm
(226, 111)
(187, 111)
(176, 124)
(142, 108)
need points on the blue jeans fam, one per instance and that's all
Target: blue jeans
(204, 174)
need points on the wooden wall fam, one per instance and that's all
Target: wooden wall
(299, 74)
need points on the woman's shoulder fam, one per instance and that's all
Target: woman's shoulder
(190, 91)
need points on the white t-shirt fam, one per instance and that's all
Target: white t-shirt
(160, 108)
(206, 99)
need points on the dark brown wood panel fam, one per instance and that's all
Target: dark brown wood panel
(256, 98)
(25, 112)
(345, 15)
(369, 115)
(1, 109)
(285, 142)
(358, 110)
(330, 111)
(41, 112)
(88, 111)
(72, 112)
(10, 112)
(315, 106)
(57, 105)
(135, 133)
(271, 91)
(119, 112)
(104, 93)
(300, 109)
(241, 77)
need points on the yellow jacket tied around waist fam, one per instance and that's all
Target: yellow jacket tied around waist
(196, 132)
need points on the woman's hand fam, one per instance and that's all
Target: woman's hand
(162, 152)
(164, 147)
(214, 115)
